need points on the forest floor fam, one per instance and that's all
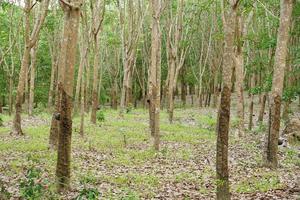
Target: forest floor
(116, 159)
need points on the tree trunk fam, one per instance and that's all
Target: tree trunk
(97, 23)
(84, 46)
(24, 67)
(30, 41)
(240, 92)
(87, 88)
(155, 73)
(251, 104)
(83, 56)
(271, 143)
(52, 83)
(10, 95)
(224, 108)
(183, 93)
(95, 82)
(53, 136)
(82, 103)
(32, 79)
(114, 99)
(67, 62)
(262, 108)
(171, 90)
(20, 92)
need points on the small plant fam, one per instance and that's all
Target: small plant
(261, 128)
(31, 187)
(88, 194)
(100, 116)
(129, 108)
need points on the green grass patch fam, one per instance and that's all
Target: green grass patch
(261, 183)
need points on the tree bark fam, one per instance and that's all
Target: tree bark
(251, 103)
(95, 82)
(67, 62)
(10, 95)
(53, 136)
(262, 108)
(155, 73)
(224, 108)
(271, 142)
(32, 79)
(52, 83)
(83, 56)
(97, 24)
(82, 103)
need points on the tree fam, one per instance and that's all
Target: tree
(241, 32)
(33, 53)
(30, 41)
(155, 72)
(176, 55)
(129, 40)
(228, 18)
(97, 19)
(271, 142)
(67, 63)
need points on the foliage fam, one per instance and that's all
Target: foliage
(88, 194)
(31, 187)
(290, 93)
(100, 116)
(129, 108)
(259, 184)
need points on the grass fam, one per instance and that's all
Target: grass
(118, 153)
(263, 183)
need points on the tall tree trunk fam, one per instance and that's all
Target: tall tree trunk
(171, 90)
(32, 79)
(271, 142)
(95, 82)
(17, 129)
(87, 88)
(83, 56)
(53, 136)
(68, 52)
(30, 41)
(262, 108)
(224, 108)
(81, 131)
(175, 55)
(239, 64)
(251, 103)
(97, 24)
(114, 100)
(10, 95)
(155, 73)
(52, 83)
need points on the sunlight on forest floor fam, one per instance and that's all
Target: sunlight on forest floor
(116, 158)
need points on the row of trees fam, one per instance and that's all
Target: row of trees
(137, 52)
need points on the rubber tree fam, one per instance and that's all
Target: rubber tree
(229, 11)
(67, 61)
(97, 19)
(155, 72)
(271, 139)
(31, 38)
